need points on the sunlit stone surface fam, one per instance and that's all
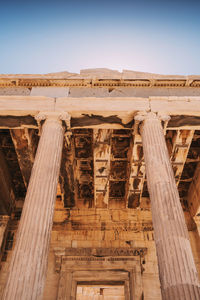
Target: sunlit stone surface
(92, 165)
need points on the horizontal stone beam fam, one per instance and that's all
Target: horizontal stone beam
(188, 106)
(107, 113)
(25, 105)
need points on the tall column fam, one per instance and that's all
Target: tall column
(29, 259)
(177, 271)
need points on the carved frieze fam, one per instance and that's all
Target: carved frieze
(105, 255)
(83, 82)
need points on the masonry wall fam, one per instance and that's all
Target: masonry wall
(110, 228)
(103, 228)
(100, 91)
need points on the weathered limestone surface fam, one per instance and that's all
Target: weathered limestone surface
(29, 260)
(195, 244)
(14, 91)
(102, 73)
(178, 275)
(175, 105)
(77, 92)
(100, 293)
(50, 91)
(21, 105)
(99, 91)
(91, 111)
(102, 151)
(25, 142)
(194, 192)
(106, 228)
(3, 227)
(7, 196)
(94, 104)
(132, 92)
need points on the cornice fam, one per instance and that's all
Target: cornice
(81, 82)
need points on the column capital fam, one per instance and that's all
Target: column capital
(142, 116)
(53, 116)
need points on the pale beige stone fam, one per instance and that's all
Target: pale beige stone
(168, 219)
(92, 104)
(88, 92)
(50, 91)
(100, 73)
(101, 94)
(175, 105)
(14, 91)
(28, 267)
(21, 105)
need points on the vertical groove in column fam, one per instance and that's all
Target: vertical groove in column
(29, 260)
(178, 275)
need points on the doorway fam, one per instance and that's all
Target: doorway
(106, 291)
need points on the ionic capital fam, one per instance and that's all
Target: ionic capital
(142, 116)
(53, 116)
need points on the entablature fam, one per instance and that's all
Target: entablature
(93, 112)
(98, 82)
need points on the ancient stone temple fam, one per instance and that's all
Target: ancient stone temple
(99, 186)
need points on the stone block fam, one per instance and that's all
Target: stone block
(88, 92)
(105, 215)
(130, 235)
(144, 215)
(15, 91)
(50, 91)
(25, 105)
(54, 236)
(176, 105)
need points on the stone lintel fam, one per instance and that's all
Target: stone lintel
(101, 255)
(91, 112)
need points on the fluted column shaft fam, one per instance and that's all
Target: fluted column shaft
(29, 259)
(177, 271)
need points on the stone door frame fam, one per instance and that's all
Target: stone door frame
(104, 277)
(86, 265)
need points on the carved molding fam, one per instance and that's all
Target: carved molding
(82, 82)
(100, 265)
(97, 254)
(53, 116)
(141, 117)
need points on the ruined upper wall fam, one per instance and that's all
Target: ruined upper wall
(99, 83)
(100, 73)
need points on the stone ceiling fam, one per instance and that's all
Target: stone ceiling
(101, 168)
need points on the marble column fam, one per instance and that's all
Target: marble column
(28, 265)
(177, 271)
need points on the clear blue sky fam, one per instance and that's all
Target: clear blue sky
(143, 35)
